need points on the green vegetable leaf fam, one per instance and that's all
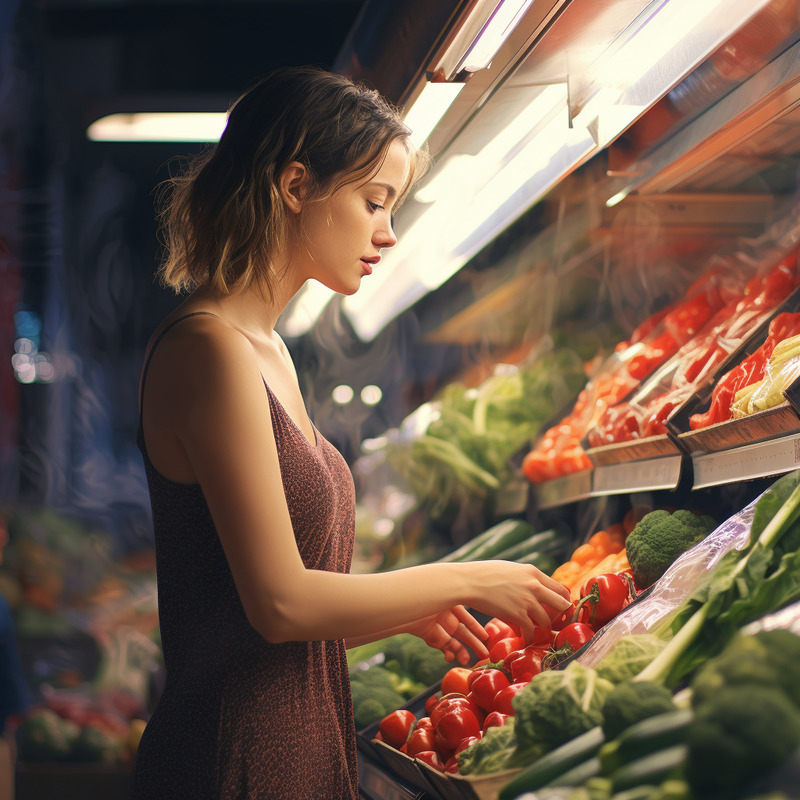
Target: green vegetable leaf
(771, 502)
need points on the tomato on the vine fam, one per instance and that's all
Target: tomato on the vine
(576, 635)
(606, 600)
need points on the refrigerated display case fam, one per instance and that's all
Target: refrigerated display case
(686, 161)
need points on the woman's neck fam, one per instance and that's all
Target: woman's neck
(254, 309)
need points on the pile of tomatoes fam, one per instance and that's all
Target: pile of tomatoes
(472, 700)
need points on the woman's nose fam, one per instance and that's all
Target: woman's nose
(384, 237)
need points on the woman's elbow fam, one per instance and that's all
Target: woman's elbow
(273, 624)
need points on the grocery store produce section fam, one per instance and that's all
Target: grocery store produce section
(640, 443)
(631, 428)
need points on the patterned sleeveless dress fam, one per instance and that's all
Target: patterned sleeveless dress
(240, 717)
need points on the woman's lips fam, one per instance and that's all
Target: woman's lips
(369, 263)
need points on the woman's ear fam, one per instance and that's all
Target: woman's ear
(293, 185)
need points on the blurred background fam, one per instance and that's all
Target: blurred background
(590, 167)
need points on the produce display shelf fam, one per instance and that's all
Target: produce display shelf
(748, 462)
(560, 491)
(651, 474)
(375, 783)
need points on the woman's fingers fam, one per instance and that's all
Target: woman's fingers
(539, 616)
(554, 586)
(470, 622)
(464, 635)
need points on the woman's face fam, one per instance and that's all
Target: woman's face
(346, 233)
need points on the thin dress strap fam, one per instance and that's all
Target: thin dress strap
(155, 344)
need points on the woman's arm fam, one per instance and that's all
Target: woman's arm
(214, 400)
(448, 631)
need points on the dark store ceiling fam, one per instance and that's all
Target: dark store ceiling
(100, 57)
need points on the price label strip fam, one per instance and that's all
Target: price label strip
(751, 461)
(636, 476)
(561, 491)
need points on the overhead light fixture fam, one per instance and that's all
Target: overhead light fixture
(470, 201)
(158, 127)
(429, 107)
(653, 53)
(497, 29)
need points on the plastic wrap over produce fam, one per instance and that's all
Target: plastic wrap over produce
(677, 583)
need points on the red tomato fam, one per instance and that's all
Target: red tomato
(486, 686)
(432, 759)
(420, 740)
(612, 592)
(502, 700)
(448, 703)
(396, 727)
(432, 701)
(497, 630)
(495, 720)
(456, 680)
(541, 635)
(451, 765)
(465, 743)
(528, 664)
(454, 727)
(561, 619)
(500, 649)
(575, 635)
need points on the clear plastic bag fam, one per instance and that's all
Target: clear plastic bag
(677, 583)
(768, 392)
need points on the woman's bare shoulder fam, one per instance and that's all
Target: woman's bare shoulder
(201, 352)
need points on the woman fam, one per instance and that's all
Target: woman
(253, 510)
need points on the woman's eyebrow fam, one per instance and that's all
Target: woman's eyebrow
(390, 190)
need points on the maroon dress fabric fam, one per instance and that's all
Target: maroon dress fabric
(240, 717)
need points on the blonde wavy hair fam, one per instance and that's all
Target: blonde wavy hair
(223, 218)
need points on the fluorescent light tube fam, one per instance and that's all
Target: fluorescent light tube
(497, 29)
(429, 108)
(158, 127)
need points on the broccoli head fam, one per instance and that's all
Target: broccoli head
(490, 753)
(408, 655)
(739, 733)
(659, 538)
(771, 658)
(632, 702)
(558, 705)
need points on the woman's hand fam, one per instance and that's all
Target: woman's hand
(518, 593)
(452, 631)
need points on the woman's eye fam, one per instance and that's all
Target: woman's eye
(374, 206)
